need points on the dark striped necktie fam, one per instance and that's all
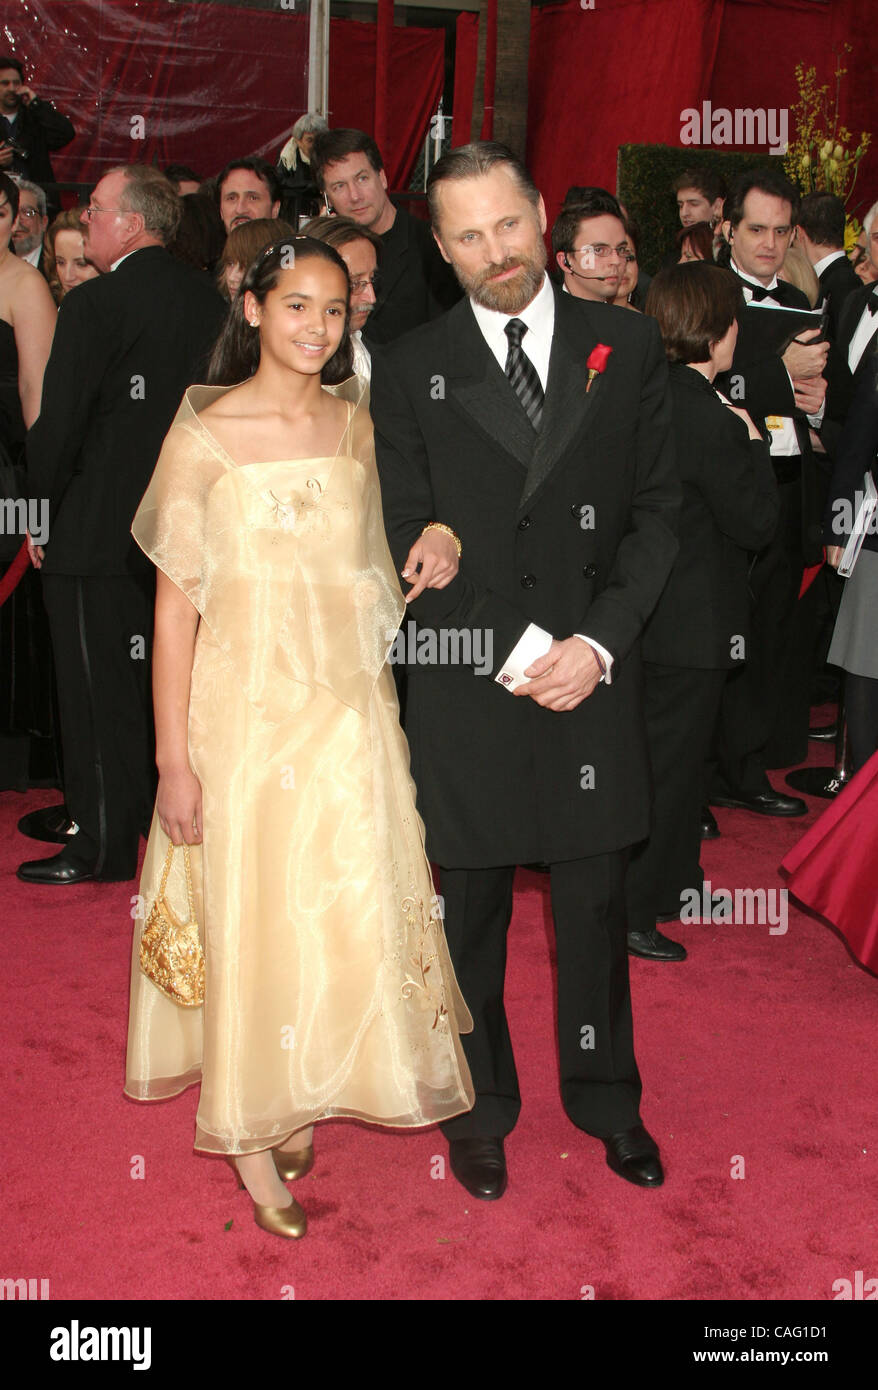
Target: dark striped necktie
(523, 374)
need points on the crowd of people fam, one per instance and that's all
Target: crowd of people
(625, 514)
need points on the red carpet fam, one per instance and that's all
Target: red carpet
(760, 1047)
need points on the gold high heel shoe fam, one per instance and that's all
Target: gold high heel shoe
(290, 1221)
(293, 1165)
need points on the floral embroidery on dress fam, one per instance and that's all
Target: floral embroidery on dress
(421, 960)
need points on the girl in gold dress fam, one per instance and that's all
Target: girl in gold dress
(328, 987)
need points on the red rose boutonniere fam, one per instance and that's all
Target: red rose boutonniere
(597, 361)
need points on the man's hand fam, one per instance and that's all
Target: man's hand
(436, 553)
(26, 95)
(7, 154)
(809, 393)
(804, 358)
(564, 677)
(36, 552)
(833, 555)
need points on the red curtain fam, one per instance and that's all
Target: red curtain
(616, 74)
(622, 73)
(465, 63)
(204, 83)
(417, 66)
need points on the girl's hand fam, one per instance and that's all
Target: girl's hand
(178, 803)
(436, 553)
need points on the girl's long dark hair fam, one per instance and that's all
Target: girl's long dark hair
(235, 356)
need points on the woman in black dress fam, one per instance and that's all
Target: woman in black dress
(699, 630)
(27, 323)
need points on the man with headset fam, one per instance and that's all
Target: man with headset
(590, 242)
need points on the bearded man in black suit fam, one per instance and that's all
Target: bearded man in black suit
(537, 426)
(125, 348)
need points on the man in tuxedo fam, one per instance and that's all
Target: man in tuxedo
(126, 346)
(536, 426)
(784, 394)
(820, 233)
(415, 283)
(30, 128)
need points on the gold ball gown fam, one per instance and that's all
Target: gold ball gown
(328, 986)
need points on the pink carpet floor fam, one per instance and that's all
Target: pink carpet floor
(758, 1057)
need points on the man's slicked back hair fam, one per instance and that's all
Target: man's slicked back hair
(472, 161)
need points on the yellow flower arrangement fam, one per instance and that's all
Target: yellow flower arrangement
(820, 158)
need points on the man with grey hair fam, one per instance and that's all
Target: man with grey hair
(30, 224)
(294, 170)
(126, 347)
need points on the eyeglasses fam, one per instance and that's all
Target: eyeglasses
(29, 213)
(89, 212)
(370, 282)
(601, 251)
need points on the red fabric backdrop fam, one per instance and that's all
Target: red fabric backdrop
(466, 40)
(622, 73)
(210, 81)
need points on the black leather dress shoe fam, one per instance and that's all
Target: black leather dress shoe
(59, 869)
(651, 945)
(828, 734)
(709, 828)
(764, 804)
(479, 1166)
(51, 825)
(634, 1155)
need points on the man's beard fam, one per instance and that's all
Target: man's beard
(509, 296)
(25, 244)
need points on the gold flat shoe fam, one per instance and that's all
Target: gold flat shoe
(293, 1165)
(290, 1221)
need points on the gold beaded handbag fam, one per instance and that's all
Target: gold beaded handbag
(171, 954)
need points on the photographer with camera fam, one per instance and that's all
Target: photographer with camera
(29, 128)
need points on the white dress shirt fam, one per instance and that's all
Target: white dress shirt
(33, 257)
(863, 334)
(539, 316)
(820, 266)
(362, 356)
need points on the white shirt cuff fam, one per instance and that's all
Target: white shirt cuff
(533, 643)
(607, 677)
(816, 420)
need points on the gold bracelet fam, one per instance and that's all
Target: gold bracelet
(440, 526)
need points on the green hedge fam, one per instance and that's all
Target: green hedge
(643, 180)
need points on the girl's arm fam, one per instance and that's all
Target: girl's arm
(178, 801)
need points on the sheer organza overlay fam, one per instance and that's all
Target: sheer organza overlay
(328, 986)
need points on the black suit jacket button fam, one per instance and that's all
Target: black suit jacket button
(528, 581)
(589, 571)
(524, 523)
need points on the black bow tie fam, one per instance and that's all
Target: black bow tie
(760, 292)
(872, 303)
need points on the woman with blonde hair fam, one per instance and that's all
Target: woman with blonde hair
(797, 270)
(64, 256)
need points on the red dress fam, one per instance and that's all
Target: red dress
(834, 867)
